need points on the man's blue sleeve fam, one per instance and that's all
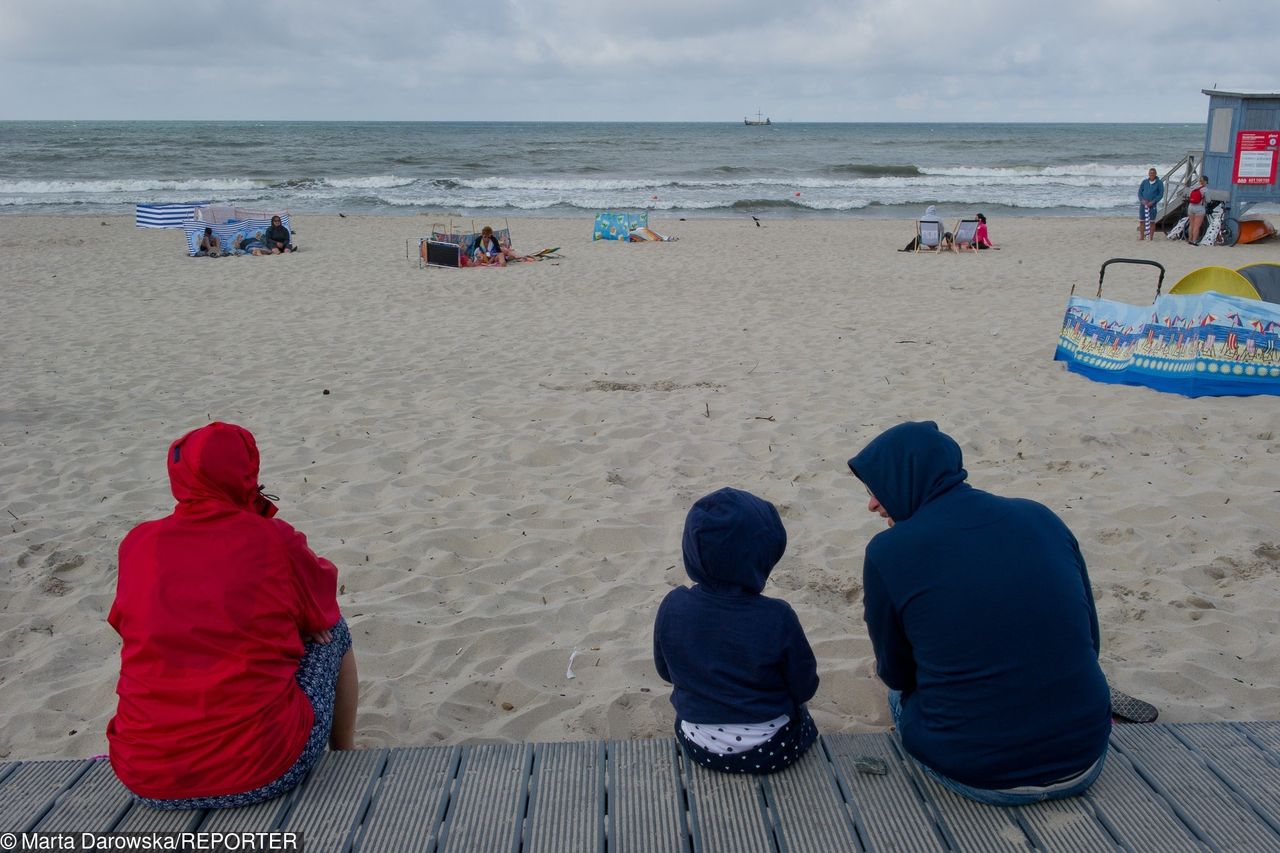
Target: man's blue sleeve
(895, 663)
(1094, 631)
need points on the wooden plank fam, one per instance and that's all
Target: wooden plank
(30, 790)
(1246, 769)
(566, 798)
(808, 808)
(974, 826)
(727, 811)
(890, 810)
(1267, 735)
(486, 811)
(263, 817)
(1197, 796)
(1068, 824)
(95, 803)
(334, 797)
(646, 797)
(409, 800)
(142, 818)
(1134, 812)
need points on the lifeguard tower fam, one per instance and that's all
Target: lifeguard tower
(1239, 158)
(1241, 145)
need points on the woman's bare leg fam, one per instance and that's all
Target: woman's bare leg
(345, 701)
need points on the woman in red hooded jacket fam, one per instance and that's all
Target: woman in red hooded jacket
(236, 668)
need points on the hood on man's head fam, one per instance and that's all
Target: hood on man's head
(216, 462)
(732, 540)
(909, 465)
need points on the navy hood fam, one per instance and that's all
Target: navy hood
(732, 540)
(909, 465)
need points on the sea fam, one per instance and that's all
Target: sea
(573, 169)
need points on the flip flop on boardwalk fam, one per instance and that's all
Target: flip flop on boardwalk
(1130, 710)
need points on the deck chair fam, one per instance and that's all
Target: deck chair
(963, 234)
(928, 236)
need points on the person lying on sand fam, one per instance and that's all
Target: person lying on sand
(644, 234)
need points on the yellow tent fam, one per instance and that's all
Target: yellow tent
(1218, 280)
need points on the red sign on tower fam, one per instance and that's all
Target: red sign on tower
(1256, 156)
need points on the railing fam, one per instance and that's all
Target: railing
(1178, 183)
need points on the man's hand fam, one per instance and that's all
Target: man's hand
(321, 637)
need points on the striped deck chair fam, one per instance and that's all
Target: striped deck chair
(963, 235)
(928, 236)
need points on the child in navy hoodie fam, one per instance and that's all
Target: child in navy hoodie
(739, 662)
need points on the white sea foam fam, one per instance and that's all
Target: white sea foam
(1131, 174)
(130, 185)
(372, 183)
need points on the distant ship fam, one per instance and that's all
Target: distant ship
(757, 121)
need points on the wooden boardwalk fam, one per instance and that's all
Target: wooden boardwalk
(1208, 786)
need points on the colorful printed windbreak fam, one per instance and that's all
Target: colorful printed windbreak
(1203, 344)
(612, 225)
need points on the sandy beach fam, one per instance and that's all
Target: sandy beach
(499, 461)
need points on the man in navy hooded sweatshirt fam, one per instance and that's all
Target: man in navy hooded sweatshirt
(982, 619)
(739, 663)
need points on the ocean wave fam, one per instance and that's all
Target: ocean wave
(555, 184)
(125, 185)
(905, 171)
(1093, 170)
(370, 183)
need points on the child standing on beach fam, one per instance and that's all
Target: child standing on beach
(740, 665)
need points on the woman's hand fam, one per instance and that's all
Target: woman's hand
(321, 637)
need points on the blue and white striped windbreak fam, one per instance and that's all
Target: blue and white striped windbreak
(228, 223)
(164, 215)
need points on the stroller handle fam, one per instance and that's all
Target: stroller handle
(1102, 272)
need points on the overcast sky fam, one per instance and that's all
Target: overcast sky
(642, 60)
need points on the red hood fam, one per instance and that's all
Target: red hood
(219, 463)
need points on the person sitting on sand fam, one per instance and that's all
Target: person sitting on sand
(489, 251)
(981, 239)
(236, 668)
(739, 663)
(982, 620)
(278, 238)
(210, 244)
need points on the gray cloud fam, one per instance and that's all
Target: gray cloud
(891, 60)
